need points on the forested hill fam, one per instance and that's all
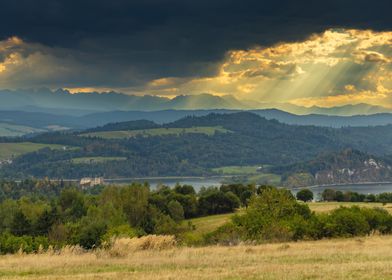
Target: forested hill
(347, 166)
(190, 146)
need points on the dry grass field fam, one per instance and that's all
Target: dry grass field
(328, 206)
(355, 258)
(359, 258)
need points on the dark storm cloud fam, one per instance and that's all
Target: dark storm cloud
(137, 41)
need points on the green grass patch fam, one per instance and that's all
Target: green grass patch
(84, 160)
(265, 178)
(238, 170)
(208, 130)
(10, 150)
(209, 223)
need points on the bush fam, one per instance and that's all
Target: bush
(10, 244)
(273, 215)
(122, 231)
(228, 234)
(90, 236)
(346, 222)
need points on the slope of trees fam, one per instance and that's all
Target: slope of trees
(251, 140)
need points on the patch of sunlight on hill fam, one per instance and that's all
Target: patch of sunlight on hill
(208, 130)
(12, 130)
(10, 150)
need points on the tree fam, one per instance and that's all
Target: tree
(245, 197)
(45, 222)
(214, 201)
(273, 215)
(176, 211)
(20, 224)
(134, 202)
(184, 189)
(329, 195)
(305, 195)
(91, 235)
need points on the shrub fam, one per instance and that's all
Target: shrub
(379, 219)
(90, 236)
(228, 234)
(273, 215)
(10, 244)
(122, 231)
(346, 222)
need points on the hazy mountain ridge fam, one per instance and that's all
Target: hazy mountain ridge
(47, 100)
(345, 167)
(42, 121)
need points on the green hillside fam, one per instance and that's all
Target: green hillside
(9, 150)
(198, 146)
(11, 130)
(155, 132)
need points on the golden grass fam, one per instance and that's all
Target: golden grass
(359, 258)
(328, 206)
(209, 223)
(122, 247)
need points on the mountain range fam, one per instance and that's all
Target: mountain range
(18, 123)
(33, 111)
(63, 102)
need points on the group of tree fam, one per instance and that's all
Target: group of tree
(349, 196)
(275, 215)
(30, 215)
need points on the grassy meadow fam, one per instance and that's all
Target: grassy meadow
(9, 150)
(250, 174)
(352, 258)
(356, 258)
(83, 160)
(237, 170)
(155, 132)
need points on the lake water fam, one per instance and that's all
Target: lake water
(369, 188)
(197, 183)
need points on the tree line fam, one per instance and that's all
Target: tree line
(34, 213)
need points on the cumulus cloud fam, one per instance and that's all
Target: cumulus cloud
(336, 67)
(27, 64)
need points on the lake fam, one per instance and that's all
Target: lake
(368, 188)
(198, 182)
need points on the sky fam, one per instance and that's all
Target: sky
(324, 53)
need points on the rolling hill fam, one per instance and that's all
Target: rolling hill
(344, 167)
(252, 140)
(34, 122)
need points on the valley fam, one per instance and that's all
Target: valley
(242, 145)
